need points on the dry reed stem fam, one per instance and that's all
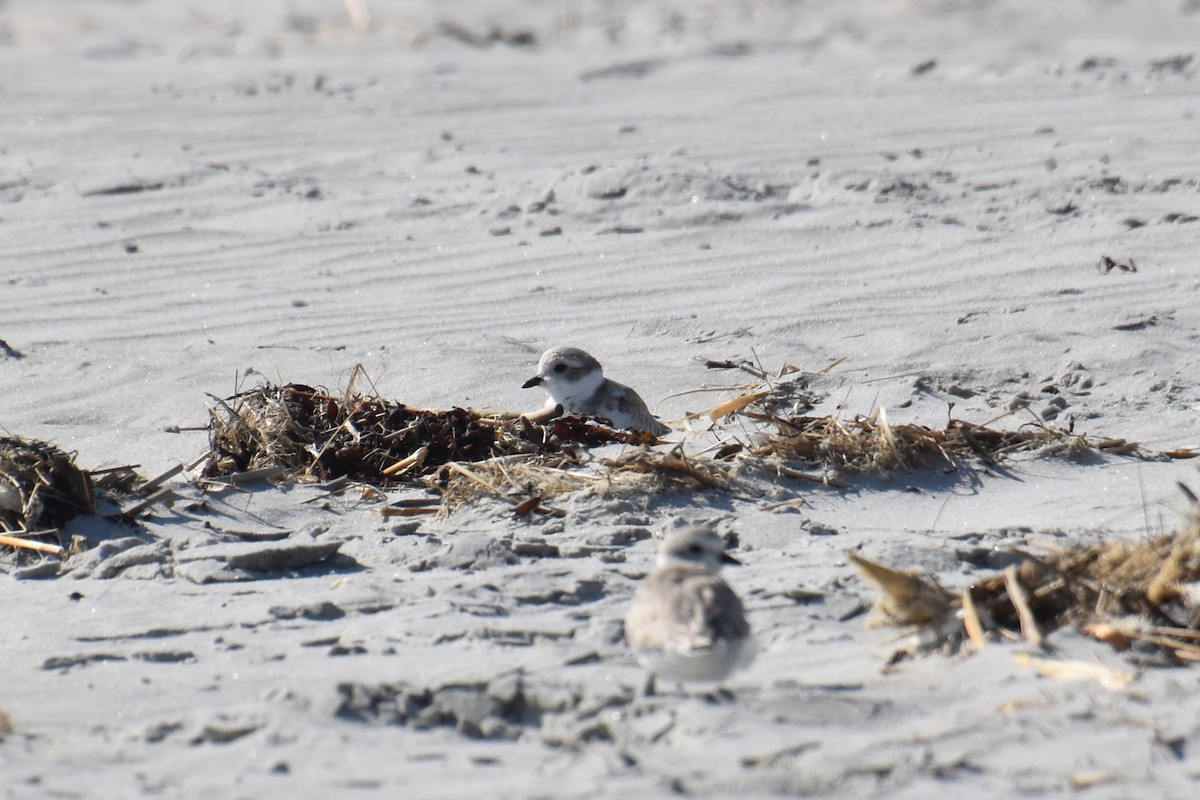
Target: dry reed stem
(412, 511)
(736, 404)
(152, 499)
(26, 544)
(1110, 678)
(971, 621)
(1016, 594)
(417, 459)
(160, 479)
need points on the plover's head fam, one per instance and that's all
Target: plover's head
(695, 544)
(569, 375)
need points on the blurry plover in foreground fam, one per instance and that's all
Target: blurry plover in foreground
(575, 381)
(685, 623)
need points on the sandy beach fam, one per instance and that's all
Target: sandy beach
(909, 203)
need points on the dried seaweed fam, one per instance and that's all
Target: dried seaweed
(315, 436)
(40, 486)
(300, 433)
(1143, 593)
(41, 489)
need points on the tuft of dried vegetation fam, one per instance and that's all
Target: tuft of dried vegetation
(40, 486)
(873, 445)
(770, 412)
(1142, 594)
(768, 419)
(41, 489)
(525, 482)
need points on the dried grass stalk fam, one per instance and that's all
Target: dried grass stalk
(866, 445)
(1110, 678)
(1016, 594)
(521, 480)
(29, 544)
(736, 404)
(972, 624)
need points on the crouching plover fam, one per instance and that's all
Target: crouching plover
(685, 623)
(574, 380)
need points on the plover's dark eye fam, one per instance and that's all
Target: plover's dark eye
(560, 367)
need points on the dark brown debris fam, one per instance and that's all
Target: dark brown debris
(40, 486)
(307, 434)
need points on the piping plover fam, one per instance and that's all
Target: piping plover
(685, 623)
(575, 381)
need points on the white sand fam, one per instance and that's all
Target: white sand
(921, 189)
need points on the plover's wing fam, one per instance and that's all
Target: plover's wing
(685, 609)
(715, 611)
(628, 404)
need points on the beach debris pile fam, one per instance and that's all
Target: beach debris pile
(871, 444)
(297, 432)
(41, 489)
(768, 418)
(1142, 596)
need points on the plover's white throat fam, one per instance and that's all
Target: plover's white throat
(685, 623)
(574, 380)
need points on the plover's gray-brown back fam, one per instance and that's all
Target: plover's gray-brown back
(685, 623)
(575, 380)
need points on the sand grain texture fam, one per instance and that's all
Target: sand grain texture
(194, 199)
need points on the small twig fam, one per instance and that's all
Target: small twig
(166, 476)
(736, 404)
(971, 621)
(831, 365)
(1020, 601)
(107, 470)
(396, 511)
(417, 459)
(762, 371)
(893, 377)
(154, 498)
(250, 476)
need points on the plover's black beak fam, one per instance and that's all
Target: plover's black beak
(534, 381)
(728, 559)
